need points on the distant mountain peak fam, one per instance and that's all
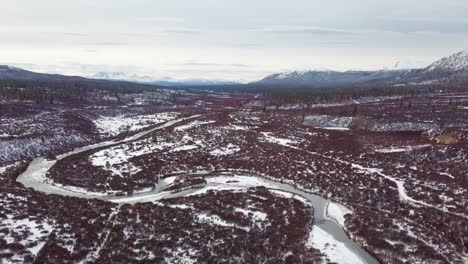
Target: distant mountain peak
(9, 68)
(455, 62)
(451, 69)
(165, 81)
(405, 65)
(120, 76)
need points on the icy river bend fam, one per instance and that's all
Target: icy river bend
(326, 235)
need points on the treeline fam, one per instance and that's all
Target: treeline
(339, 94)
(41, 91)
(316, 95)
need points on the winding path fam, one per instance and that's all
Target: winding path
(35, 177)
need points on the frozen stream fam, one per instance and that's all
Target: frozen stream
(340, 247)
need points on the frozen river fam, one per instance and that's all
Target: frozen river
(327, 234)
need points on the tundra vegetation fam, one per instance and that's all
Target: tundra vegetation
(398, 161)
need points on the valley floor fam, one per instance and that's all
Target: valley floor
(199, 183)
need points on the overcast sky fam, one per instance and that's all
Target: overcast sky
(220, 39)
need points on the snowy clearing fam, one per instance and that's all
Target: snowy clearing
(114, 125)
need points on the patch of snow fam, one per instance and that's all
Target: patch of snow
(336, 128)
(328, 122)
(268, 137)
(335, 251)
(224, 151)
(5, 135)
(256, 215)
(180, 206)
(401, 149)
(337, 212)
(447, 174)
(115, 159)
(290, 196)
(239, 127)
(37, 232)
(216, 220)
(3, 169)
(181, 255)
(403, 126)
(185, 147)
(193, 124)
(114, 125)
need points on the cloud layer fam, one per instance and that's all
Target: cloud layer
(235, 40)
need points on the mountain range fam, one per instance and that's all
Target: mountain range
(14, 73)
(166, 81)
(449, 70)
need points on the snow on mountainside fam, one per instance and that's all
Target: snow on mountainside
(455, 62)
(406, 65)
(120, 76)
(326, 78)
(165, 81)
(449, 70)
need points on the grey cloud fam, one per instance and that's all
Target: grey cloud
(161, 19)
(181, 31)
(106, 43)
(209, 64)
(73, 34)
(306, 31)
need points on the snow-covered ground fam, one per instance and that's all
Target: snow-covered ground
(181, 255)
(335, 251)
(193, 124)
(216, 220)
(336, 128)
(337, 212)
(229, 149)
(256, 215)
(268, 137)
(32, 233)
(3, 169)
(185, 147)
(403, 126)
(114, 125)
(401, 149)
(116, 159)
(327, 121)
(224, 183)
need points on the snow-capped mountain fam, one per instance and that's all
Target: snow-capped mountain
(120, 76)
(454, 63)
(449, 70)
(326, 78)
(165, 81)
(452, 69)
(17, 74)
(192, 82)
(406, 64)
